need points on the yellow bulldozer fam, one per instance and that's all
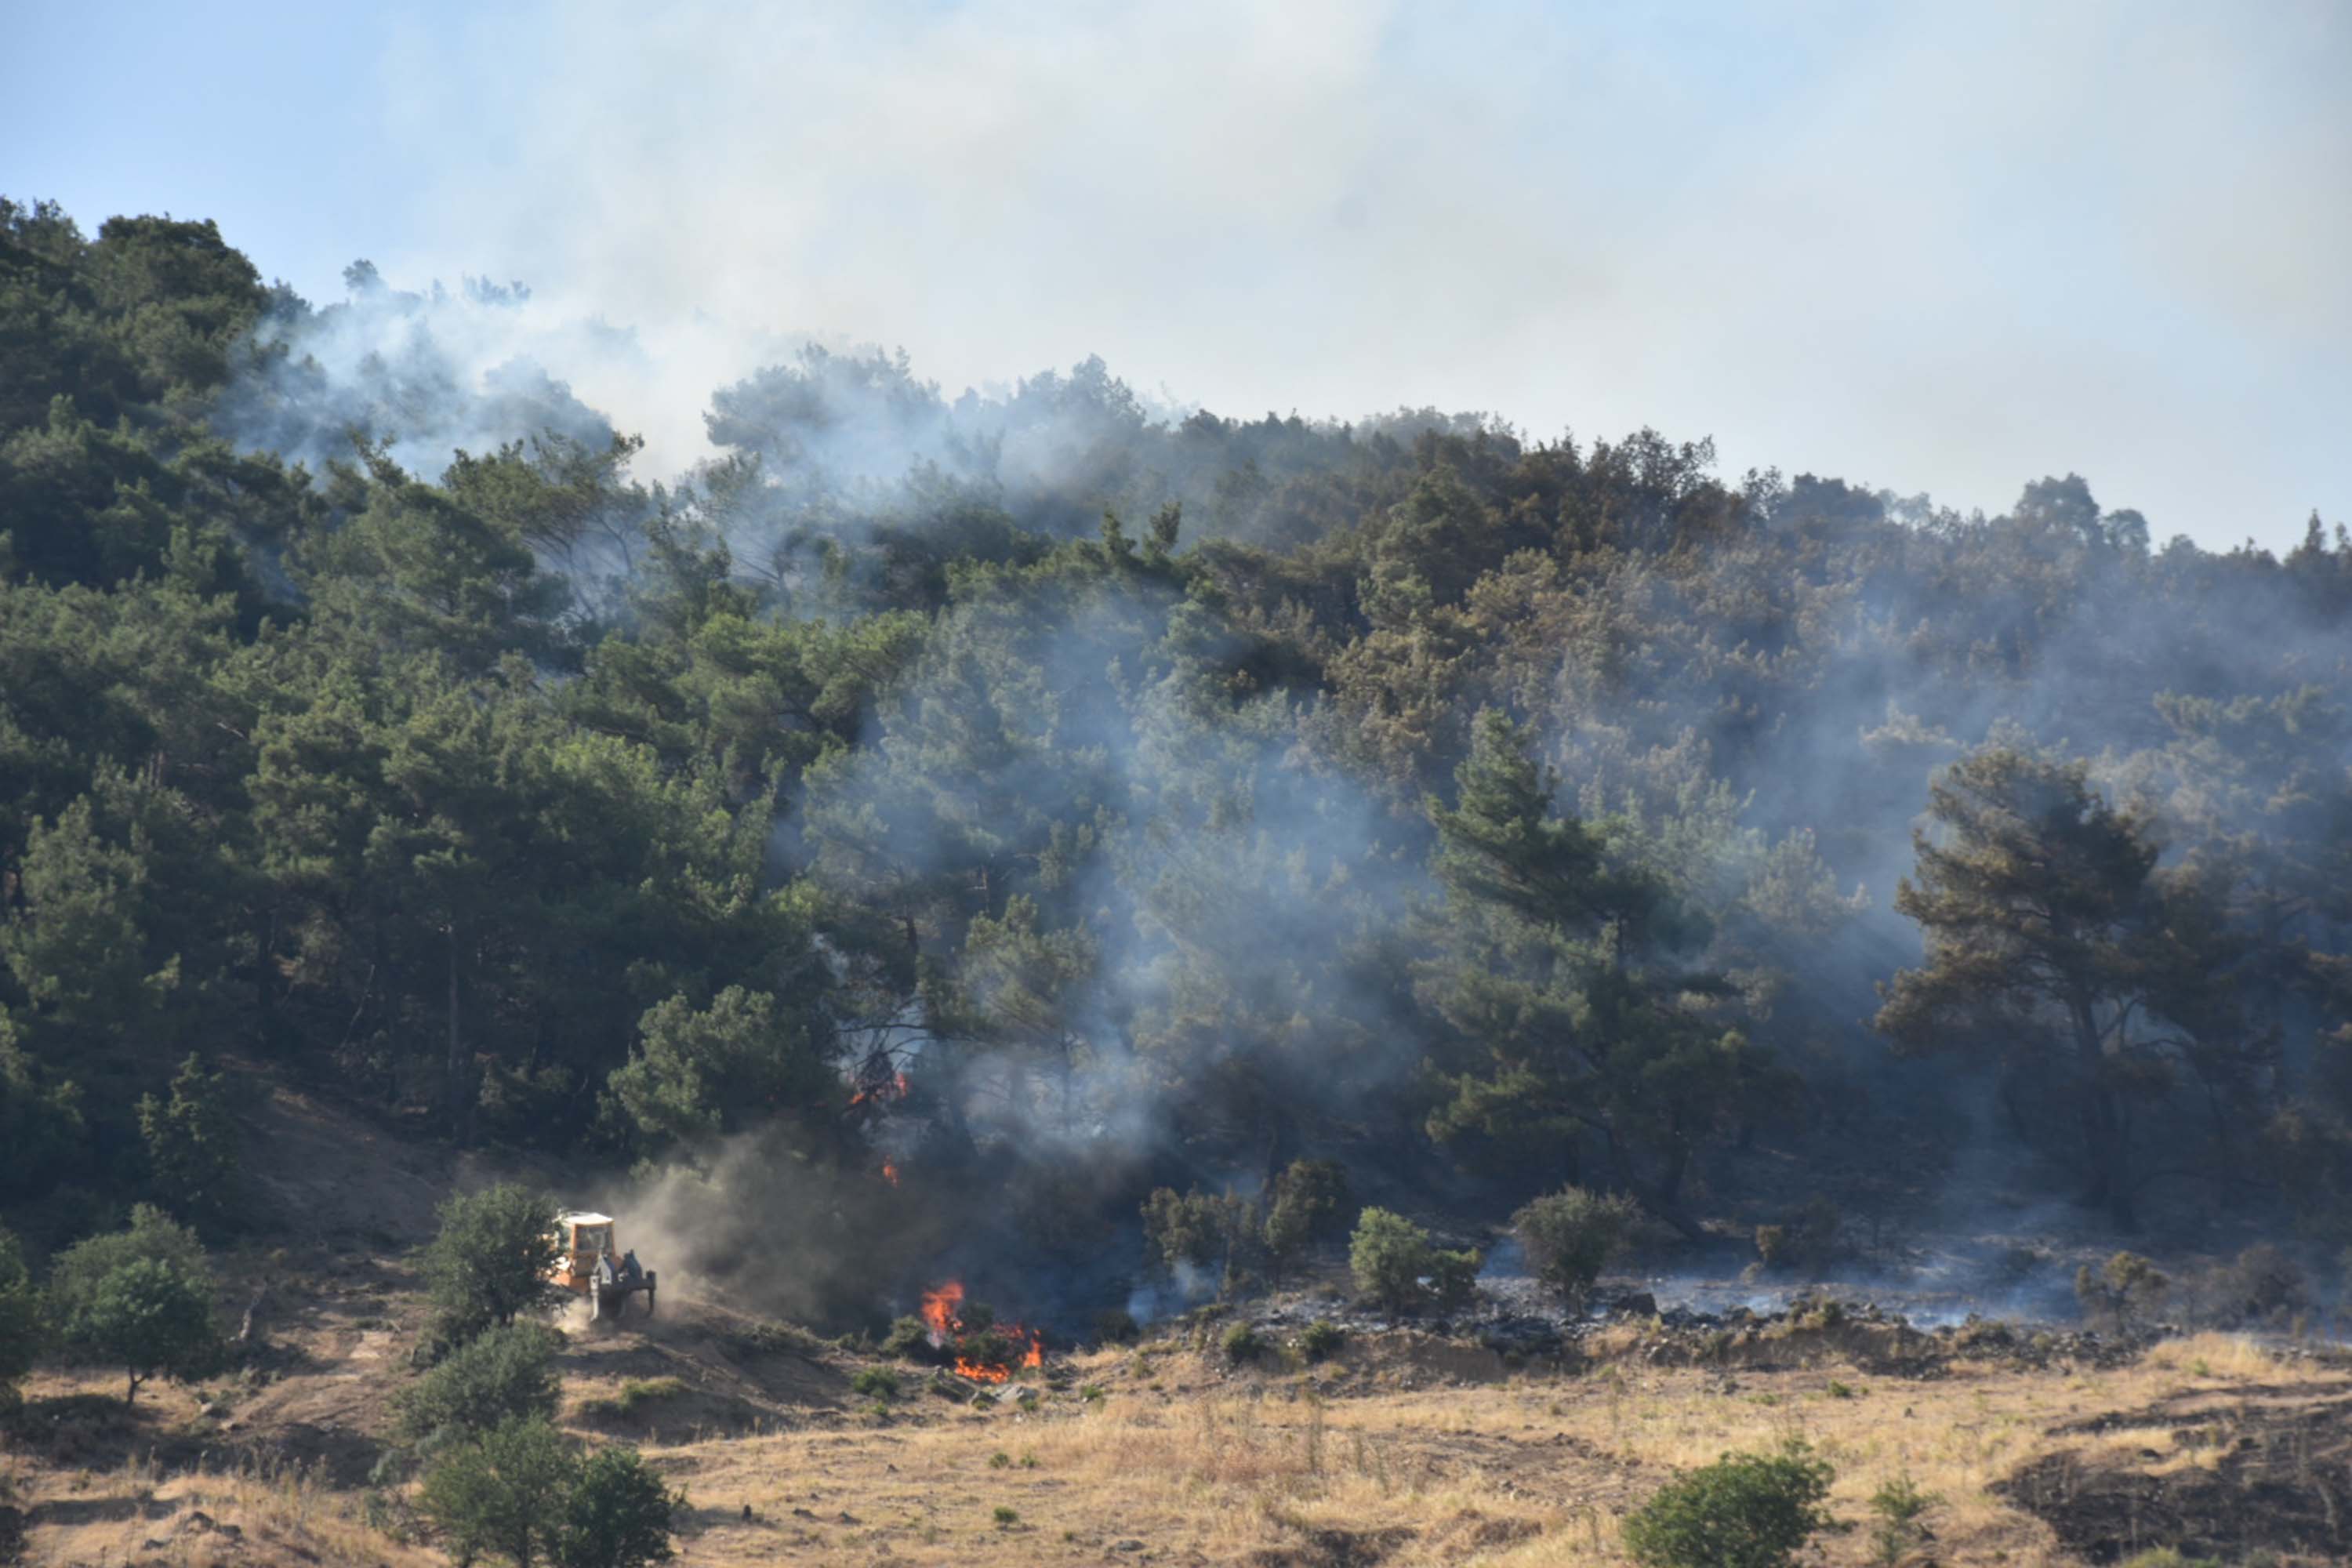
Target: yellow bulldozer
(589, 1263)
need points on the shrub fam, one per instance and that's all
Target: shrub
(1569, 1238)
(151, 1234)
(909, 1339)
(1242, 1343)
(1307, 1204)
(1809, 1241)
(506, 1492)
(1745, 1511)
(773, 1336)
(1453, 1279)
(192, 1141)
(875, 1383)
(140, 1299)
(491, 1258)
(618, 1514)
(2260, 1285)
(1005, 1517)
(21, 1323)
(2127, 1290)
(1199, 1230)
(506, 1373)
(636, 1393)
(1116, 1326)
(1322, 1339)
(1388, 1255)
(1898, 1505)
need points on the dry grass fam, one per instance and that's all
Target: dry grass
(1254, 1468)
(1392, 1452)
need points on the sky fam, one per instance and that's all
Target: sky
(1933, 249)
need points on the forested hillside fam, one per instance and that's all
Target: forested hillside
(1051, 799)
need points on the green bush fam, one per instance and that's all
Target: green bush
(1200, 1231)
(504, 1494)
(22, 1326)
(506, 1373)
(875, 1383)
(1388, 1255)
(618, 1513)
(192, 1141)
(636, 1393)
(1308, 1201)
(491, 1259)
(1320, 1339)
(141, 1299)
(909, 1339)
(1453, 1279)
(1242, 1343)
(2125, 1291)
(1745, 1511)
(1569, 1238)
(1898, 1505)
(522, 1492)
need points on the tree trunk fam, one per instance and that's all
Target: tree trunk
(460, 1101)
(2103, 1133)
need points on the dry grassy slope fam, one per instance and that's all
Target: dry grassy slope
(1404, 1450)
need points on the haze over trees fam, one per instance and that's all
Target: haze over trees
(1054, 801)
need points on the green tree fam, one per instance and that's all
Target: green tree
(1309, 1201)
(506, 1492)
(192, 1140)
(500, 1373)
(2051, 948)
(151, 1237)
(1555, 973)
(22, 1323)
(1570, 1237)
(148, 1318)
(1745, 1511)
(41, 1126)
(699, 1073)
(619, 1515)
(1388, 1256)
(491, 1258)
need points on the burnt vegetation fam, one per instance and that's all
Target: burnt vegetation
(1108, 851)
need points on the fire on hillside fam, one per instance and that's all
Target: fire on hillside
(984, 1351)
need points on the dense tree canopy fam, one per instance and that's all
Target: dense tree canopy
(1121, 799)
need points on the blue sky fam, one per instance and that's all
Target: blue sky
(1940, 248)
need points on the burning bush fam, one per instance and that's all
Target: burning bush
(967, 1335)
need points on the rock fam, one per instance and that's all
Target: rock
(1129, 1544)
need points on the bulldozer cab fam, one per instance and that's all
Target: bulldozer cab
(581, 1238)
(589, 1262)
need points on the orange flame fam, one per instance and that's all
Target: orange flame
(940, 1314)
(890, 1173)
(896, 1088)
(943, 1318)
